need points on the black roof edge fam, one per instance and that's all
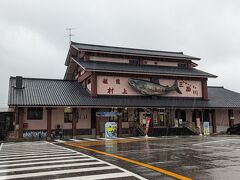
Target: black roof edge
(189, 57)
(215, 87)
(47, 79)
(97, 70)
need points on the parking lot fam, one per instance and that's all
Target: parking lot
(196, 157)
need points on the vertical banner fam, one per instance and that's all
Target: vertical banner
(148, 119)
(111, 130)
(206, 128)
(198, 124)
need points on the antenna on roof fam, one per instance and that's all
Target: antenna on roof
(69, 30)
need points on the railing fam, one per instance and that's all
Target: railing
(191, 127)
(139, 128)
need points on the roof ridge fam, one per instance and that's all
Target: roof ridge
(179, 52)
(216, 87)
(47, 79)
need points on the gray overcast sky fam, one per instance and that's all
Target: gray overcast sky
(33, 42)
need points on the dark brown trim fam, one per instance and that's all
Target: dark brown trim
(93, 84)
(204, 89)
(230, 115)
(97, 126)
(86, 57)
(49, 122)
(84, 76)
(150, 76)
(119, 126)
(93, 117)
(20, 123)
(139, 56)
(214, 121)
(74, 122)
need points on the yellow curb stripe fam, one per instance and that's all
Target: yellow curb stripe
(110, 142)
(169, 173)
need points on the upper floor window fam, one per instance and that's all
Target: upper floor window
(182, 65)
(134, 61)
(35, 113)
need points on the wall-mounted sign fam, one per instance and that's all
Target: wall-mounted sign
(111, 130)
(108, 114)
(206, 128)
(68, 110)
(149, 88)
(115, 85)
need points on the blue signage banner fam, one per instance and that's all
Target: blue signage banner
(107, 114)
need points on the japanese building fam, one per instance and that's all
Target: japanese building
(126, 86)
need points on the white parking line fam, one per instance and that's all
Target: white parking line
(209, 142)
(77, 140)
(105, 139)
(35, 159)
(56, 172)
(89, 139)
(45, 162)
(102, 176)
(39, 156)
(40, 164)
(60, 141)
(33, 154)
(30, 153)
(49, 166)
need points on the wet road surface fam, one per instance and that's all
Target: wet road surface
(42, 160)
(196, 157)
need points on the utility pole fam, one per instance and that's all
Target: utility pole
(69, 31)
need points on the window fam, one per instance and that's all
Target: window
(34, 113)
(125, 115)
(68, 115)
(182, 65)
(115, 117)
(133, 62)
(154, 80)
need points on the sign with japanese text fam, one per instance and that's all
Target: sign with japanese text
(111, 130)
(114, 85)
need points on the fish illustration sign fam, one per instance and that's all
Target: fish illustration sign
(111, 130)
(149, 88)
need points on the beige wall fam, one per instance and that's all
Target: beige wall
(189, 115)
(160, 63)
(194, 90)
(108, 59)
(36, 124)
(222, 121)
(237, 116)
(84, 121)
(122, 60)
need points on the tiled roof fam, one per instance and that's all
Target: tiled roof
(221, 98)
(132, 51)
(143, 69)
(51, 92)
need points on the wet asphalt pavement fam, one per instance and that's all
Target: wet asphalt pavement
(196, 157)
